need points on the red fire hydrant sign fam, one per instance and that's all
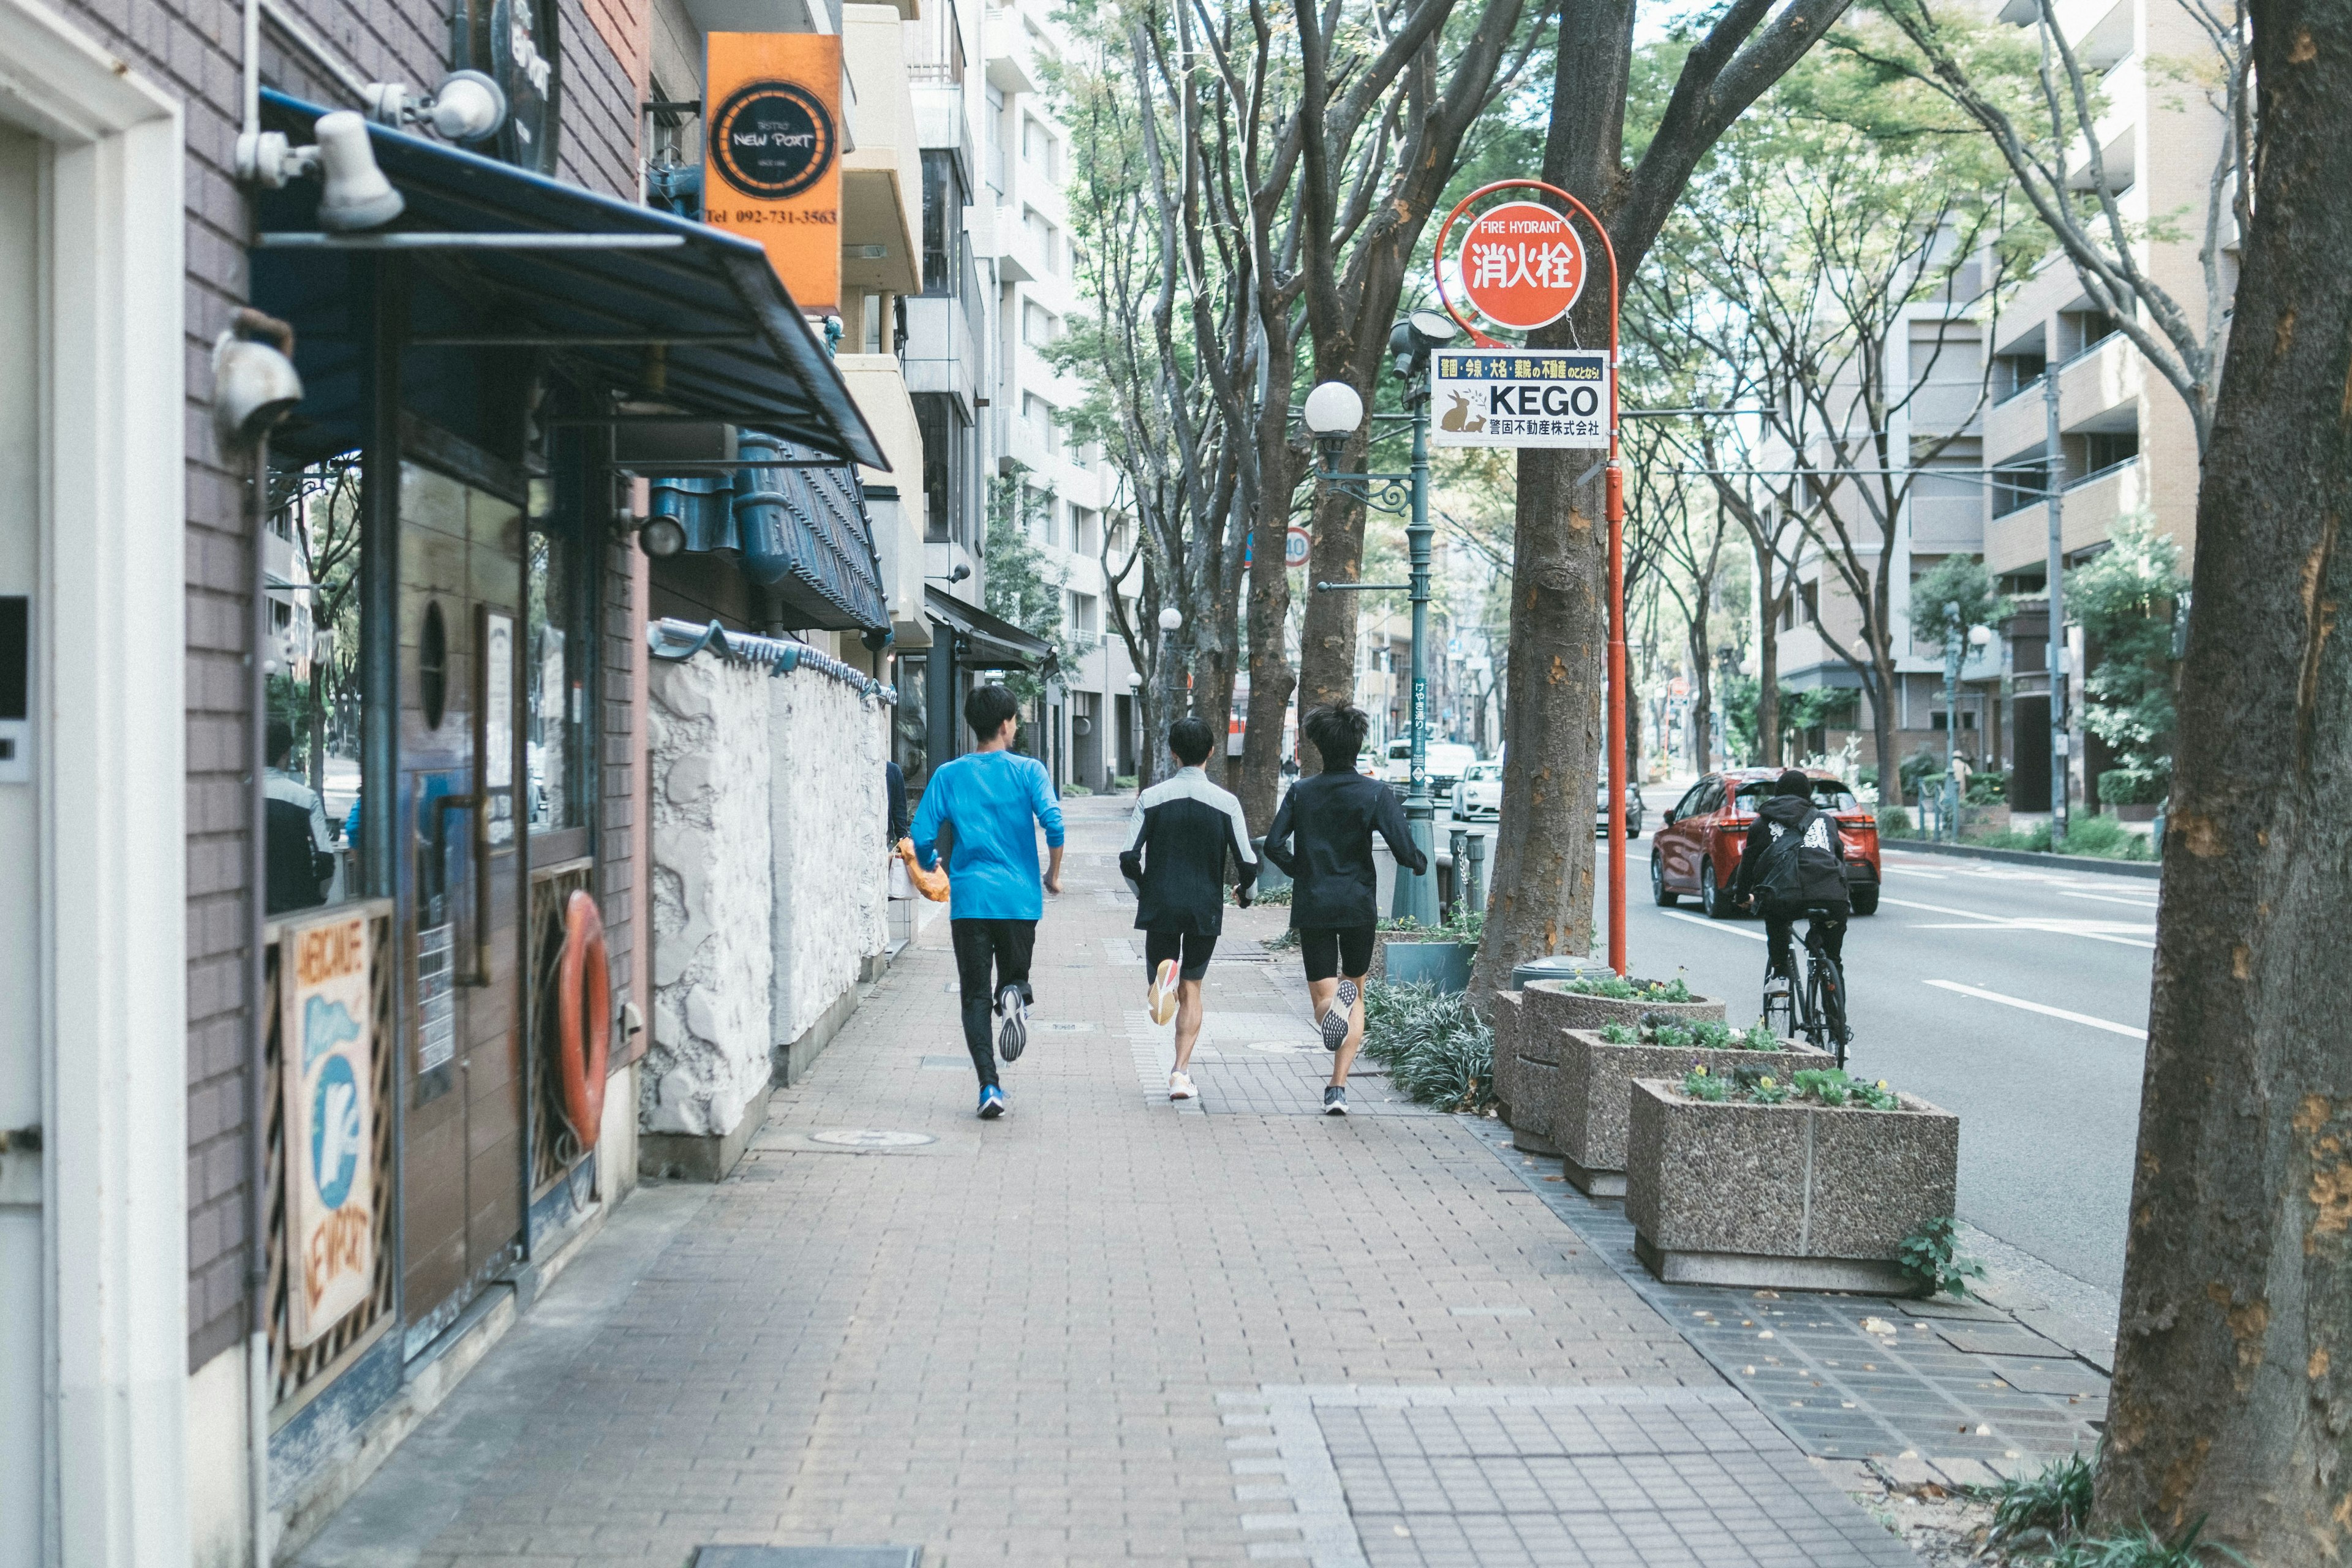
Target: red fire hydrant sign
(1522, 265)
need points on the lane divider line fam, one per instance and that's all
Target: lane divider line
(1725, 927)
(2055, 926)
(2084, 1019)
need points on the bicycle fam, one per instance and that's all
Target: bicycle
(1816, 1009)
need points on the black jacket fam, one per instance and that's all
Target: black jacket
(1177, 841)
(1323, 837)
(1820, 882)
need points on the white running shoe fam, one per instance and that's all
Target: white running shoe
(1160, 996)
(1180, 1087)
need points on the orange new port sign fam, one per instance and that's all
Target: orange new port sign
(772, 102)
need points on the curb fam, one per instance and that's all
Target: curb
(2150, 870)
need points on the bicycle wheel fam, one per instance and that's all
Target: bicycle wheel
(1825, 1000)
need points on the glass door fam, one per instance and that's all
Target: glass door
(461, 601)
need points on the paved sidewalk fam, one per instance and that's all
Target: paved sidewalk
(1108, 1330)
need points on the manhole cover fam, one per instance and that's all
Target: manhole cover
(870, 1138)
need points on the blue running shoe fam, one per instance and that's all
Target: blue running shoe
(992, 1103)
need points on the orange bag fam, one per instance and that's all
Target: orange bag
(932, 885)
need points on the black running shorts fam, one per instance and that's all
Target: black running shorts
(1159, 946)
(1334, 950)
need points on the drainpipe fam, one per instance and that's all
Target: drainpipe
(257, 1109)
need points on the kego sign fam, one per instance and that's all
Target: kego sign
(1522, 265)
(1519, 398)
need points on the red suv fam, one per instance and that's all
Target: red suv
(1696, 846)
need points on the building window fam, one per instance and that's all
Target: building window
(946, 438)
(870, 313)
(2079, 331)
(1086, 614)
(1122, 540)
(944, 199)
(996, 141)
(1036, 142)
(1086, 531)
(2019, 482)
(2096, 452)
(1038, 327)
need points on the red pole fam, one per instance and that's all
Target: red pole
(1615, 507)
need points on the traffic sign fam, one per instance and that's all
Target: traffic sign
(1296, 547)
(1519, 398)
(1522, 265)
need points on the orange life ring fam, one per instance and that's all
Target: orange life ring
(584, 1018)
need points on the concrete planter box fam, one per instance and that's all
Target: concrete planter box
(1783, 1196)
(2134, 811)
(1547, 1012)
(1503, 1013)
(1594, 1089)
(1406, 958)
(1993, 818)
(1550, 1005)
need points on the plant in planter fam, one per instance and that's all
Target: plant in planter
(1405, 951)
(1592, 1081)
(1550, 1008)
(1739, 1176)
(1436, 1049)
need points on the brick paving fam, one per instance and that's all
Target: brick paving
(1105, 1330)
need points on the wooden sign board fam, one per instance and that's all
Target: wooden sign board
(773, 107)
(327, 1066)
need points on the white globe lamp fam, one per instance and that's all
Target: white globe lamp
(1171, 618)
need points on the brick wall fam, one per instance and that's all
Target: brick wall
(189, 48)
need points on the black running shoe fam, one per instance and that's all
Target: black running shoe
(1335, 1101)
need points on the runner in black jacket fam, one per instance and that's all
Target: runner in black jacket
(1183, 829)
(1323, 837)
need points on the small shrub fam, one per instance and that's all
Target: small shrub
(2053, 1505)
(1076, 789)
(1436, 1049)
(1617, 988)
(1619, 1035)
(1277, 896)
(1714, 1037)
(1929, 1255)
(1760, 1038)
(1122, 781)
(1700, 1084)
(2142, 1549)
(1894, 822)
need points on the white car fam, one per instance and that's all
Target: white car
(1447, 759)
(1478, 792)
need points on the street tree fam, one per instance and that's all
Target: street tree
(1542, 878)
(2042, 106)
(2231, 1404)
(2127, 599)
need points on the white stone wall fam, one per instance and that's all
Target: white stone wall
(828, 816)
(713, 965)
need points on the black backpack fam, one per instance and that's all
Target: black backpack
(1800, 865)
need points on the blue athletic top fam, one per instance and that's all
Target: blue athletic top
(988, 799)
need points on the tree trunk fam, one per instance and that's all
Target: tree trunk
(2232, 1397)
(1540, 896)
(1271, 676)
(1327, 645)
(1880, 693)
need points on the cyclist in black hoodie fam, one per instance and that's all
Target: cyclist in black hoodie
(1794, 862)
(1323, 837)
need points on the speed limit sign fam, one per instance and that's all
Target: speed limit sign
(1296, 547)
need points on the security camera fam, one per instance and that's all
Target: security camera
(255, 383)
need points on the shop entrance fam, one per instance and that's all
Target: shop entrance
(461, 867)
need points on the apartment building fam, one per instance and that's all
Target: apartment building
(2124, 440)
(1061, 490)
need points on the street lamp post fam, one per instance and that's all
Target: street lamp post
(1956, 651)
(1334, 411)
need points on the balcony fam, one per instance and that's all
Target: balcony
(935, 46)
(1012, 54)
(882, 176)
(1017, 261)
(2091, 505)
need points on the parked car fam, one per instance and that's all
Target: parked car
(1478, 792)
(1696, 848)
(1447, 759)
(1600, 811)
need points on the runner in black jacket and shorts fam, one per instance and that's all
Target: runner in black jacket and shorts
(1323, 837)
(1179, 842)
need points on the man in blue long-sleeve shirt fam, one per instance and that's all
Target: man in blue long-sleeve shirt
(987, 803)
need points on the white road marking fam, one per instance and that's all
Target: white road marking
(1725, 927)
(2084, 1019)
(1984, 922)
(2108, 899)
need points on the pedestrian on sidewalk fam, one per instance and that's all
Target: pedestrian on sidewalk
(1177, 842)
(987, 803)
(1322, 836)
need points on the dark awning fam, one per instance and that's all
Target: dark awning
(675, 317)
(984, 642)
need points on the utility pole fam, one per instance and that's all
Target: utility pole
(2054, 486)
(1954, 649)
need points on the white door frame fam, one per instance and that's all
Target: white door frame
(110, 761)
